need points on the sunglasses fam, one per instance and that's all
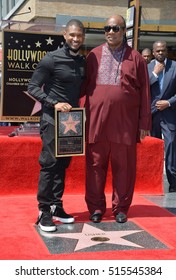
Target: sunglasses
(115, 28)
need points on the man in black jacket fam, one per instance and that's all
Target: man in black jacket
(56, 84)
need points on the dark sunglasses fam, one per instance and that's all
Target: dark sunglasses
(115, 28)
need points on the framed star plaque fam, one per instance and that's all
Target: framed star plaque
(70, 132)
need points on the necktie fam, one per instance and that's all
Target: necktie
(160, 78)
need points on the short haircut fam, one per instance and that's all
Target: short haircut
(124, 22)
(77, 23)
(161, 42)
(147, 50)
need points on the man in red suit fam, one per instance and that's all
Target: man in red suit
(117, 117)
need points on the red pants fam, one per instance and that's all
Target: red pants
(123, 165)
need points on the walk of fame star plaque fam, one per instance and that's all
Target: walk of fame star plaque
(70, 133)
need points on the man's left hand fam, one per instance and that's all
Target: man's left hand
(144, 133)
(162, 104)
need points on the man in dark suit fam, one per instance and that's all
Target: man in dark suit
(162, 75)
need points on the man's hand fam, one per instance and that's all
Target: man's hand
(159, 67)
(63, 107)
(144, 133)
(162, 104)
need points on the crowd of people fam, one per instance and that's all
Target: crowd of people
(128, 96)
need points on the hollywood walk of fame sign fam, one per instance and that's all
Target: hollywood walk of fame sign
(22, 51)
(70, 132)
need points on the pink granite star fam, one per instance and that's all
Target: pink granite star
(70, 124)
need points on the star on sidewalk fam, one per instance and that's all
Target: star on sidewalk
(70, 124)
(90, 234)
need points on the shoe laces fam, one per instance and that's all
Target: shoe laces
(57, 209)
(43, 214)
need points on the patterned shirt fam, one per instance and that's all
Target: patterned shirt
(109, 71)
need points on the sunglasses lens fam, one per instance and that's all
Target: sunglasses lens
(107, 28)
(115, 28)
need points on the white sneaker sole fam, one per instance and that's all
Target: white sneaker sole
(48, 229)
(64, 220)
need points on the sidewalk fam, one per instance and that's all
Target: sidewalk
(168, 200)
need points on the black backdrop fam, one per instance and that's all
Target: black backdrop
(21, 53)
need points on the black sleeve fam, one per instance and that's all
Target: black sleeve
(40, 76)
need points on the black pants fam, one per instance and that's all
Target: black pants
(159, 128)
(52, 173)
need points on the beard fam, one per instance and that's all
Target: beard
(71, 49)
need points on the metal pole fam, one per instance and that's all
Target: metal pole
(137, 20)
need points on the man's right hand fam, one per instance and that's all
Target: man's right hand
(159, 67)
(63, 107)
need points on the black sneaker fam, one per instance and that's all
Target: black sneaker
(59, 214)
(45, 221)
